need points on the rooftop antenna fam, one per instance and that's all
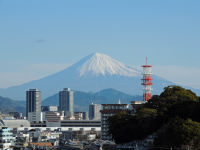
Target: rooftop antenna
(146, 60)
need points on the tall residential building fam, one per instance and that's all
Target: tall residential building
(66, 102)
(33, 101)
(94, 111)
(110, 110)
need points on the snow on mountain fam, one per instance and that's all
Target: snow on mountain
(101, 64)
(92, 73)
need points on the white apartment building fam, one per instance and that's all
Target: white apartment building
(6, 139)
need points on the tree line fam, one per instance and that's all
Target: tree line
(173, 116)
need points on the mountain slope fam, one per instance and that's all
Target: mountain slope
(83, 99)
(92, 73)
(9, 105)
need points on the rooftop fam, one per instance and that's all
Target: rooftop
(42, 144)
(115, 104)
(14, 123)
(109, 111)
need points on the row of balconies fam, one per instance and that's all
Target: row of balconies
(6, 141)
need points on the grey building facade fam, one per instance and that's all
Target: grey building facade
(108, 111)
(66, 101)
(49, 108)
(94, 111)
(33, 101)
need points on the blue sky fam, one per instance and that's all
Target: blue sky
(40, 37)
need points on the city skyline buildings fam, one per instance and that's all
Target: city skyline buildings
(33, 101)
(66, 102)
(94, 111)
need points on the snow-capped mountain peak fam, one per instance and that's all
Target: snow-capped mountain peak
(101, 64)
(92, 73)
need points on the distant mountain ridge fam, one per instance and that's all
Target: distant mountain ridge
(83, 99)
(92, 73)
(9, 105)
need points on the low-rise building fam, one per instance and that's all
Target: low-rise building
(36, 116)
(53, 119)
(38, 124)
(21, 140)
(49, 108)
(81, 115)
(16, 115)
(137, 105)
(6, 139)
(41, 145)
(78, 116)
(16, 123)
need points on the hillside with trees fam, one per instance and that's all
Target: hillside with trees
(173, 116)
(8, 105)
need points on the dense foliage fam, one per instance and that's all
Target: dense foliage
(173, 116)
(179, 132)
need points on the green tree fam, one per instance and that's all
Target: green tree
(120, 127)
(175, 93)
(157, 116)
(145, 113)
(125, 127)
(179, 133)
(173, 101)
(171, 95)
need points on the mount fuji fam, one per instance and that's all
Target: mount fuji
(92, 73)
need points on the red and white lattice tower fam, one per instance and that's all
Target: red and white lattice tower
(146, 81)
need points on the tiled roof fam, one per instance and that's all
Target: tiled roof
(42, 144)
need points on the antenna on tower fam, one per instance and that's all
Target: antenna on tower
(146, 60)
